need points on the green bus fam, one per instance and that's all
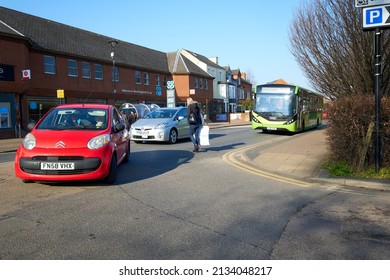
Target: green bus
(280, 107)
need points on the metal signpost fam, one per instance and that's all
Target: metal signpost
(171, 100)
(376, 17)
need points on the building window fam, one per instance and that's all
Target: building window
(115, 74)
(98, 72)
(206, 84)
(5, 117)
(72, 68)
(138, 77)
(158, 80)
(86, 70)
(196, 83)
(165, 81)
(201, 83)
(232, 92)
(49, 64)
(241, 93)
(146, 78)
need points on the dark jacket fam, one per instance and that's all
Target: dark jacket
(194, 109)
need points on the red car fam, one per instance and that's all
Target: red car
(74, 142)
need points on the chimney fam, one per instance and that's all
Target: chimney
(214, 59)
(243, 75)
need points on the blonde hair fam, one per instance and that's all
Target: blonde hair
(189, 101)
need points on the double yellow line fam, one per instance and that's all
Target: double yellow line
(232, 158)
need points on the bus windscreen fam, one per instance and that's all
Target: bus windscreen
(275, 106)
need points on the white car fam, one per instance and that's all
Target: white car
(161, 125)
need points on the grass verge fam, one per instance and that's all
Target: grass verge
(342, 169)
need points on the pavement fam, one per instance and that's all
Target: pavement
(299, 156)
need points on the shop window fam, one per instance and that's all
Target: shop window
(72, 68)
(86, 70)
(49, 64)
(38, 106)
(92, 100)
(5, 118)
(7, 72)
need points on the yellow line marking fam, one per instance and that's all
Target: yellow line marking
(229, 157)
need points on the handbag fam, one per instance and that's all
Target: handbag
(192, 119)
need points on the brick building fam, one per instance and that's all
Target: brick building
(40, 59)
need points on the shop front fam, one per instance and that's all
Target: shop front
(9, 105)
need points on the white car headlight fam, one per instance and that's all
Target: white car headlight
(98, 141)
(29, 141)
(162, 125)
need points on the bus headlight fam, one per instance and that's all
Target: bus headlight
(292, 120)
(255, 119)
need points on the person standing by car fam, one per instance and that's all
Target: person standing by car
(194, 119)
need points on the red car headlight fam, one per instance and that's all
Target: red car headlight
(29, 141)
(98, 141)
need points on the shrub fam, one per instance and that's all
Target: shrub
(349, 119)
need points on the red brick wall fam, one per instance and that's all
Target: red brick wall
(184, 83)
(14, 52)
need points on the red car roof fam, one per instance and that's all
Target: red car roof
(87, 105)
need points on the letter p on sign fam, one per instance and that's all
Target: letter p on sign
(374, 16)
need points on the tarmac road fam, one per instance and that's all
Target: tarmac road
(347, 222)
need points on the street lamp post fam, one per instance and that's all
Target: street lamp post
(113, 44)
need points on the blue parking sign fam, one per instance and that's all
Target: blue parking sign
(374, 16)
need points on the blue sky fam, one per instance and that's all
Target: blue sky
(251, 35)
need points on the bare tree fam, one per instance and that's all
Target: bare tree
(250, 77)
(336, 55)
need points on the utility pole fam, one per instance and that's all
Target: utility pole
(113, 44)
(378, 82)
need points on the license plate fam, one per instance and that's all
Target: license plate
(272, 128)
(145, 134)
(57, 165)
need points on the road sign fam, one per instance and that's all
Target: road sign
(368, 3)
(60, 93)
(171, 100)
(376, 17)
